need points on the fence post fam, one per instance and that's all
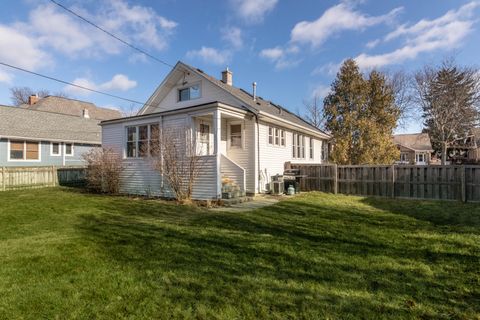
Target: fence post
(3, 179)
(335, 179)
(54, 178)
(393, 181)
(463, 185)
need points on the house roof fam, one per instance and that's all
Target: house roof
(414, 141)
(72, 107)
(258, 105)
(41, 125)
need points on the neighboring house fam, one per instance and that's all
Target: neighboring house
(415, 148)
(39, 138)
(242, 137)
(71, 107)
(466, 150)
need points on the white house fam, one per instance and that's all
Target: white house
(243, 137)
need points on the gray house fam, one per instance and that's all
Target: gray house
(39, 138)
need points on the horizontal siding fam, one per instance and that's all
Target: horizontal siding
(209, 93)
(232, 171)
(139, 176)
(273, 158)
(46, 158)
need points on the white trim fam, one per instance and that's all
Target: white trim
(59, 149)
(25, 152)
(65, 149)
(98, 143)
(229, 134)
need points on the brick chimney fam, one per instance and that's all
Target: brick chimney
(32, 99)
(227, 77)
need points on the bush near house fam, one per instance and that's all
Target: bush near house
(66, 254)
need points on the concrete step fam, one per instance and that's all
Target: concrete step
(233, 201)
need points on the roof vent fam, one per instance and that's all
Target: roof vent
(254, 87)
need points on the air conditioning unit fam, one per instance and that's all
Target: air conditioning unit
(277, 187)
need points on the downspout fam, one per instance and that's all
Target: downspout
(258, 152)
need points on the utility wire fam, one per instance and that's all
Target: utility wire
(111, 34)
(71, 84)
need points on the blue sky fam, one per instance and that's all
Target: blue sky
(292, 49)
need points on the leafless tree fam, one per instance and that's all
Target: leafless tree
(104, 166)
(176, 156)
(132, 110)
(403, 90)
(449, 96)
(20, 95)
(314, 111)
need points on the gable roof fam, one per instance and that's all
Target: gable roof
(16, 122)
(259, 105)
(414, 141)
(72, 107)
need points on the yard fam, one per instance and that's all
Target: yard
(67, 254)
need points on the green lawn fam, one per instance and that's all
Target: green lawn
(65, 254)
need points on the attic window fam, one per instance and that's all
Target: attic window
(189, 93)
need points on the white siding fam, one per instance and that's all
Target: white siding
(245, 157)
(209, 93)
(273, 158)
(139, 176)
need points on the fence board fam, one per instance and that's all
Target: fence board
(15, 178)
(401, 181)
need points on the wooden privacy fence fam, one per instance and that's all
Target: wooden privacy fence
(14, 178)
(395, 181)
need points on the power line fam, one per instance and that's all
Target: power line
(111, 34)
(71, 84)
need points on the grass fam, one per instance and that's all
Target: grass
(65, 254)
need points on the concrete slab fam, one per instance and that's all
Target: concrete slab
(257, 202)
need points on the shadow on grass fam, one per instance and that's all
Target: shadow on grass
(294, 258)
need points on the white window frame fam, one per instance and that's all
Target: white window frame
(298, 146)
(24, 152)
(417, 158)
(52, 154)
(242, 135)
(274, 134)
(311, 148)
(404, 157)
(137, 136)
(199, 84)
(65, 149)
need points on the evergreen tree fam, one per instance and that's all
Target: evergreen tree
(361, 115)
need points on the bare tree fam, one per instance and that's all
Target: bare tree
(132, 110)
(20, 95)
(104, 166)
(403, 90)
(314, 112)
(449, 96)
(176, 156)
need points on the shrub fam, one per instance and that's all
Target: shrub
(104, 166)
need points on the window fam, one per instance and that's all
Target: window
(189, 93)
(143, 140)
(24, 150)
(276, 136)
(311, 148)
(324, 151)
(420, 158)
(69, 149)
(235, 136)
(298, 146)
(404, 157)
(204, 139)
(55, 149)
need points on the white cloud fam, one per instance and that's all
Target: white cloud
(334, 20)
(210, 55)
(21, 50)
(253, 11)
(272, 53)
(372, 44)
(282, 58)
(61, 31)
(233, 36)
(118, 82)
(444, 33)
(320, 91)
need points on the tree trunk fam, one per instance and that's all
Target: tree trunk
(444, 153)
